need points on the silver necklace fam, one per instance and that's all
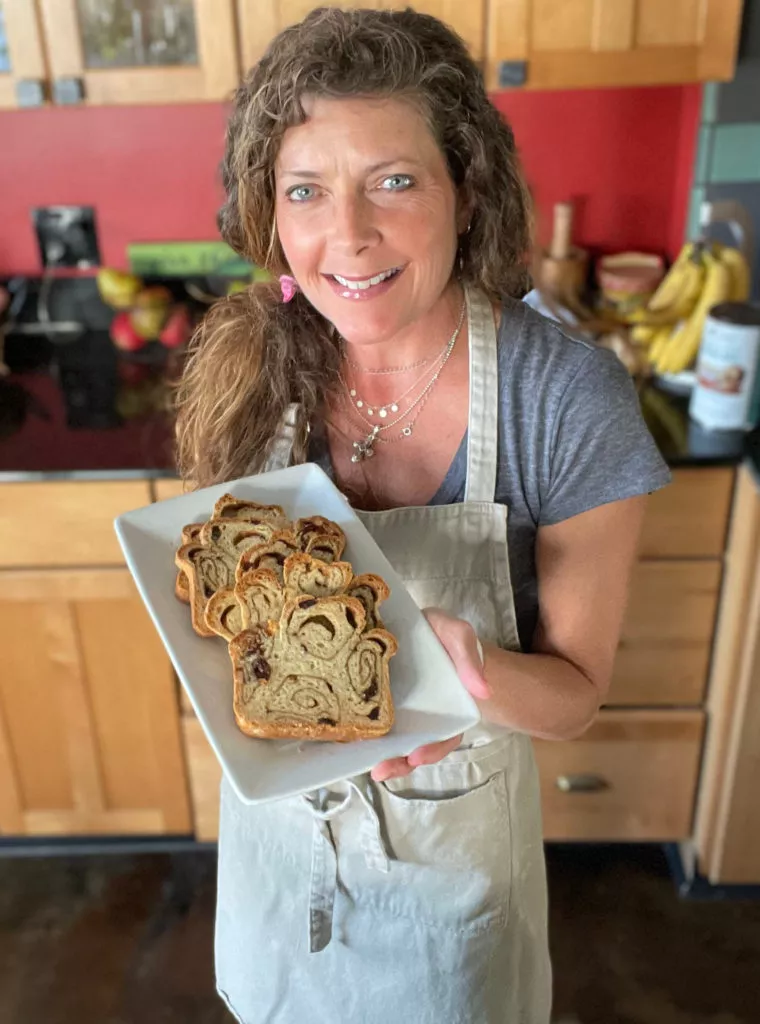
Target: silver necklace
(393, 406)
(386, 369)
(365, 449)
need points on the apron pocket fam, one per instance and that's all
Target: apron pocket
(450, 859)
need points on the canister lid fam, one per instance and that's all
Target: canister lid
(744, 314)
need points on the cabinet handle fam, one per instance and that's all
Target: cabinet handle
(30, 92)
(581, 783)
(68, 91)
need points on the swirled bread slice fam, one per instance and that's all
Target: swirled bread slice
(326, 546)
(304, 574)
(234, 536)
(371, 590)
(314, 675)
(270, 555)
(260, 596)
(208, 569)
(230, 507)
(308, 525)
(190, 533)
(223, 614)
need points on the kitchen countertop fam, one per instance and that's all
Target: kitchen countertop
(80, 409)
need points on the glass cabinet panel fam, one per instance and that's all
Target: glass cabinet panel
(137, 33)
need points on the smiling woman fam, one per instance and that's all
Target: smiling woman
(499, 464)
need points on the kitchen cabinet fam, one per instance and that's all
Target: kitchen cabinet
(631, 777)
(260, 20)
(140, 51)
(565, 44)
(727, 834)
(634, 775)
(22, 59)
(96, 736)
(89, 724)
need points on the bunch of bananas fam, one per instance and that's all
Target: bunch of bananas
(670, 326)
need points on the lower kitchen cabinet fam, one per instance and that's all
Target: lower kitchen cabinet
(89, 723)
(632, 776)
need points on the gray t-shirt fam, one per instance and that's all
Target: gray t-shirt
(571, 437)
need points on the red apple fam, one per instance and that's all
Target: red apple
(177, 330)
(123, 334)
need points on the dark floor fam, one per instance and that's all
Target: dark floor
(128, 940)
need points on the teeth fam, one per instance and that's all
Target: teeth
(366, 283)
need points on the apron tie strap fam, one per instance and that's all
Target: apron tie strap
(324, 805)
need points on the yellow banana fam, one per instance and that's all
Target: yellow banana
(739, 269)
(659, 343)
(674, 299)
(669, 288)
(682, 347)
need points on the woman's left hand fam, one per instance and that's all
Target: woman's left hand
(461, 643)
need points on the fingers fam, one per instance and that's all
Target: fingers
(398, 767)
(461, 644)
(433, 752)
(394, 768)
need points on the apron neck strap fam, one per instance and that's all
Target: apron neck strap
(281, 448)
(482, 443)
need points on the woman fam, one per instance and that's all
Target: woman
(501, 466)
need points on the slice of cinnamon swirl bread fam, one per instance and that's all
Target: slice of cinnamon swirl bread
(313, 675)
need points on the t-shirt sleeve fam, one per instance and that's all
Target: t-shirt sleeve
(600, 447)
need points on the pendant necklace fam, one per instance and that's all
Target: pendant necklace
(365, 447)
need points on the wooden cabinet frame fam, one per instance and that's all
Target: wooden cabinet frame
(611, 61)
(213, 78)
(25, 46)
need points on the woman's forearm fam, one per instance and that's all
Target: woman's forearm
(539, 694)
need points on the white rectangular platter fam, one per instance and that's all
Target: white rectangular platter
(430, 702)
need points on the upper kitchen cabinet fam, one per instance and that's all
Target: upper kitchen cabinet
(22, 60)
(260, 20)
(140, 51)
(564, 44)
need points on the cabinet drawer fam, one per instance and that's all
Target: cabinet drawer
(65, 523)
(689, 519)
(205, 778)
(632, 776)
(666, 639)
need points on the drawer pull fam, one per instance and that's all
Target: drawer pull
(581, 783)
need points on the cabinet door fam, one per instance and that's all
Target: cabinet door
(22, 62)
(140, 51)
(89, 724)
(665, 644)
(577, 43)
(261, 20)
(727, 836)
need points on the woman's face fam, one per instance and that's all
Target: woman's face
(367, 214)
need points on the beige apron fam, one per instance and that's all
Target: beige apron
(420, 899)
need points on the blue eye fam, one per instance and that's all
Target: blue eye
(300, 193)
(397, 182)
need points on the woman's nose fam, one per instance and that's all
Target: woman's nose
(354, 227)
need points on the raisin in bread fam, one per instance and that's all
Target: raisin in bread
(315, 674)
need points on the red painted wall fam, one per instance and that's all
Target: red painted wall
(624, 155)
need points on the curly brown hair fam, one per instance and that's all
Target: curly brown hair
(254, 355)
